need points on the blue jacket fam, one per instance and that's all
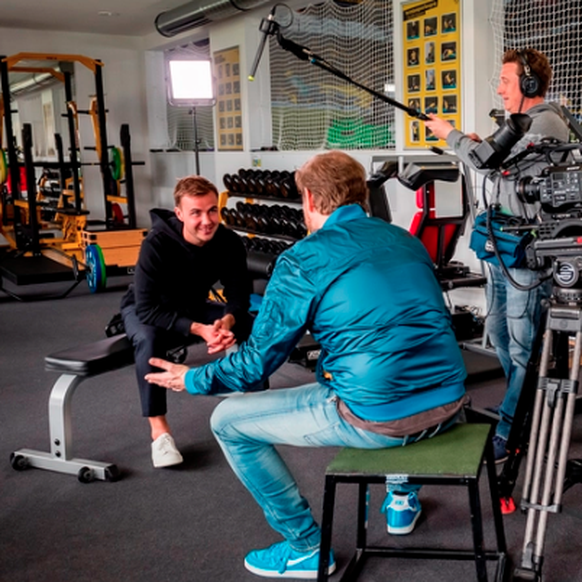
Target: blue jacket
(367, 292)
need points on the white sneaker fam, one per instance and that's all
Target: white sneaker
(164, 452)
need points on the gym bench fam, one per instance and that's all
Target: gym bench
(75, 365)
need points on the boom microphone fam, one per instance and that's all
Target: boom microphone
(267, 27)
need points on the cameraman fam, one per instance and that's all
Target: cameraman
(513, 314)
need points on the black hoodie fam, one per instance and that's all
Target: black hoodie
(173, 277)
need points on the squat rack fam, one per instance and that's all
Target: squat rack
(25, 239)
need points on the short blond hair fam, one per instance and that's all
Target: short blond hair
(334, 179)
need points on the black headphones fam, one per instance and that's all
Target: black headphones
(529, 82)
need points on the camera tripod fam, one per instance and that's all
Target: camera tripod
(548, 472)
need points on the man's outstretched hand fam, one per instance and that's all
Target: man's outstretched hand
(172, 378)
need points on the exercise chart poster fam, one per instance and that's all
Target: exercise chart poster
(227, 71)
(432, 66)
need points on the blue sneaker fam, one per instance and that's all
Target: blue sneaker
(282, 561)
(402, 512)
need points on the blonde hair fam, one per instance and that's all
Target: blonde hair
(335, 179)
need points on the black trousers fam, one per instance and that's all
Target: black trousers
(149, 341)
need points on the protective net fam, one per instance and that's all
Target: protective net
(553, 27)
(313, 109)
(180, 119)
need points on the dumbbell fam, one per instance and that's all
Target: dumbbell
(268, 189)
(288, 187)
(262, 224)
(275, 225)
(259, 184)
(227, 180)
(236, 183)
(250, 221)
(259, 245)
(244, 181)
(251, 185)
(225, 214)
(238, 219)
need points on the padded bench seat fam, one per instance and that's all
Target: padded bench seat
(92, 359)
(75, 365)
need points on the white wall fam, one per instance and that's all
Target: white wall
(125, 99)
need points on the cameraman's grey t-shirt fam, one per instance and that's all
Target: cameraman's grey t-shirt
(547, 122)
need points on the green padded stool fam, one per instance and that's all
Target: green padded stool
(452, 458)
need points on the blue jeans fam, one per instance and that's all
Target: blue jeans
(248, 427)
(513, 317)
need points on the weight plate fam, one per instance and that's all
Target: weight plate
(122, 157)
(3, 167)
(118, 217)
(117, 164)
(96, 272)
(103, 268)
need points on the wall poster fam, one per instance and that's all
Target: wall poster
(229, 114)
(432, 65)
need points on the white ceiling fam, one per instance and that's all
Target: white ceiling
(128, 17)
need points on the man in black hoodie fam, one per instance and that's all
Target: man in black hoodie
(186, 252)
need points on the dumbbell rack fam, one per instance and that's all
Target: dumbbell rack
(272, 228)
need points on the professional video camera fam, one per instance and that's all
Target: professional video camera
(557, 245)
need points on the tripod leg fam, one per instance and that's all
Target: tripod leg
(539, 454)
(563, 423)
(559, 406)
(535, 423)
(569, 418)
(550, 465)
(518, 439)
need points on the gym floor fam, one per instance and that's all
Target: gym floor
(195, 522)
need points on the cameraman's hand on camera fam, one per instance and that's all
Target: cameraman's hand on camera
(440, 127)
(474, 137)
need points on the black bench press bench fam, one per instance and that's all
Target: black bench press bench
(75, 365)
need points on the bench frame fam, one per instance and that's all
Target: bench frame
(75, 365)
(60, 458)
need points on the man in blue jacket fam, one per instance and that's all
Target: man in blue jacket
(390, 371)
